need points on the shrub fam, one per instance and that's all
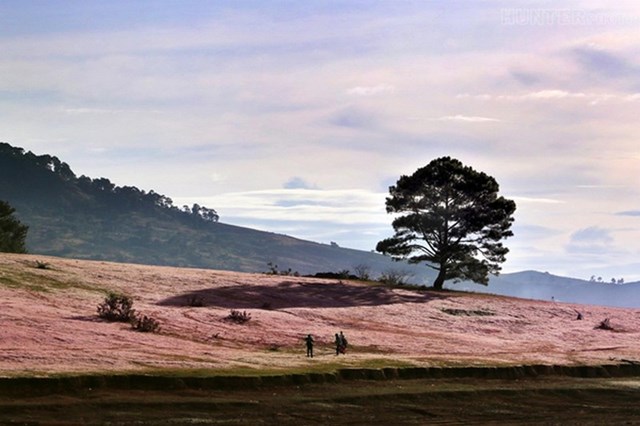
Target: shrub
(145, 324)
(362, 271)
(605, 324)
(238, 317)
(273, 270)
(395, 277)
(340, 275)
(42, 265)
(116, 307)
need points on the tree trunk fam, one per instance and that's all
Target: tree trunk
(439, 282)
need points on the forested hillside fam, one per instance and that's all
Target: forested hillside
(87, 218)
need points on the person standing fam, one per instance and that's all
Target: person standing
(343, 341)
(309, 341)
(341, 344)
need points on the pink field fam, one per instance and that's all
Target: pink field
(49, 324)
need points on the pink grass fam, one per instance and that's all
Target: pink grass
(48, 329)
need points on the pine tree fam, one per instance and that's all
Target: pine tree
(13, 234)
(450, 217)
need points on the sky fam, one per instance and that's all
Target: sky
(295, 117)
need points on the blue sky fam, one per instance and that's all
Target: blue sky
(295, 117)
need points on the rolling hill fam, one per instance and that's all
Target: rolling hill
(85, 218)
(49, 323)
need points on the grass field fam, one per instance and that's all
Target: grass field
(415, 357)
(547, 400)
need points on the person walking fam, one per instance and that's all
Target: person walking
(338, 344)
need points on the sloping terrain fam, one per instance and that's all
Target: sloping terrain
(49, 324)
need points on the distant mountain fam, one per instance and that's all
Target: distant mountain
(545, 286)
(84, 218)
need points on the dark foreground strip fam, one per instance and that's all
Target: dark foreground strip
(48, 385)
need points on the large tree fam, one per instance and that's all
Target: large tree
(12, 233)
(450, 217)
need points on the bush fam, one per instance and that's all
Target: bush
(362, 271)
(238, 317)
(42, 265)
(605, 324)
(340, 275)
(273, 270)
(145, 324)
(395, 277)
(117, 307)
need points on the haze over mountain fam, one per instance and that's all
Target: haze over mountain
(545, 286)
(85, 218)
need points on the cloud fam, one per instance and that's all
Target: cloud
(371, 90)
(633, 213)
(592, 234)
(533, 232)
(526, 78)
(545, 94)
(533, 200)
(297, 182)
(356, 216)
(467, 118)
(606, 64)
(592, 240)
(109, 111)
(552, 94)
(352, 117)
(349, 206)
(217, 177)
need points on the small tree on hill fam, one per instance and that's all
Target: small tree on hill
(117, 307)
(13, 234)
(450, 217)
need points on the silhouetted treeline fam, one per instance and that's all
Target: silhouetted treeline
(25, 175)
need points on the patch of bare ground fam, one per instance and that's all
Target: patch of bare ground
(49, 324)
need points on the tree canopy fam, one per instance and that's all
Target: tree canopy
(450, 217)
(13, 234)
(46, 178)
